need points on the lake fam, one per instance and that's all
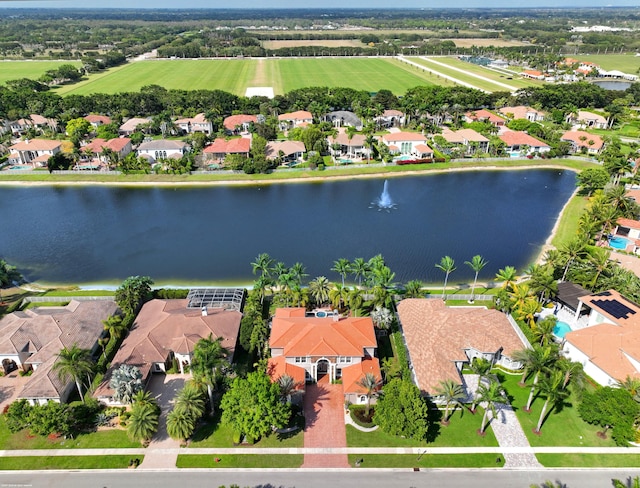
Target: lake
(210, 235)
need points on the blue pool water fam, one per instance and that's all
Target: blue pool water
(618, 242)
(561, 329)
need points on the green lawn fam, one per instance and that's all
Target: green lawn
(14, 70)
(33, 463)
(229, 75)
(240, 460)
(589, 460)
(115, 438)
(427, 461)
(78, 293)
(568, 226)
(46, 304)
(561, 428)
(462, 431)
(627, 63)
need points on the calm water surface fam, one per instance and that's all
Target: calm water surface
(211, 235)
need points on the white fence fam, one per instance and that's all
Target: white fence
(67, 299)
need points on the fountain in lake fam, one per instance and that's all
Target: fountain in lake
(384, 201)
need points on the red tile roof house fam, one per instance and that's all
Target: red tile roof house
(408, 144)
(166, 330)
(162, 149)
(308, 348)
(522, 112)
(609, 346)
(32, 339)
(579, 140)
(97, 120)
(239, 124)
(354, 148)
(295, 119)
(533, 74)
(466, 138)
(517, 141)
(34, 121)
(588, 120)
(219, 148)
(34, 151)
(195, 124)
(484, 116)
(120, 145)
(629, 229)
(441, 340)
(291, 151)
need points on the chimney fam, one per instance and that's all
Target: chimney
(204, 311)
(336, 317)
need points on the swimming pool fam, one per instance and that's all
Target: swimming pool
(561, 329)
(618, 242)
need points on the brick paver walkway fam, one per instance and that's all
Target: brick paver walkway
(324, 425)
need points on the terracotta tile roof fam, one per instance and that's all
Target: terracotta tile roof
(233, 121)
(575, 135)
(94, 119)
(299, 115)
(298, 335)
(198, 119)
(483, 114)
(437, 336)
(356, 141)
(632, 224)
(586, 116)
(240, 145)
(133, 123)
(519, 138)
(634, 193)
(287, 147)
(118, 144)
(532, 72)
(352, 374)
(423, 148)
(520, 111)
(36, 145)
(95, 146)
(404, 136)
(278, 366)
(604, 301)
(163, 325)
(462, 135)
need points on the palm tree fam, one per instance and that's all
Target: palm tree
(536, 361)
(572, 250)
(180, 424)
(413, 289)
(632, 385)
(359, 268)
(319, 290)
(543, 330)
(74, 363)
(355, 301)
(261, 285)
(551, 387)
(528, 310)
(208, 356)
(370, 141)
(382, 317)
(191, 400)
(115, 327)
(369, 383)
(628, 483)
(287, 387)
(338, 295)
(489, 395)
(507, 276)
(143, 422)
(448, 266)
(263, 263)
(343, 267)
(298, 272)
(451, 393)
(477, 263)
(481, 367)
(573, 372)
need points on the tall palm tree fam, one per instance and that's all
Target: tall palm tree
(370, 141)
(263, 264)
(115, 327)
(74, 363)
(528, 310)
(489, 395)
(536, 361)
(343, 267)
(632, 385)
(359, 268)
(448, 266)
(572, 250)
(413, 289)
(477, 263)
(507, 276)
(208, 357)
(338, 295)
(261, 284)
(551, 387)
(355, 301)
(143, 422)
(298, 272)
(543, 330)
(191, 400)
(451, 393)
(573, 373)
(481, 367)
(180, 424)
(369, 383)
(319, 290)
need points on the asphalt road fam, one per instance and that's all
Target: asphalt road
(315, 479)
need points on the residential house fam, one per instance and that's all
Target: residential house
(121, 146)
(583, 141)
(131, 125)
(533, 74)
(408, 144)
(301, 118)
(484, 116)
(468, 140)
(291, 151)
(351, 148)
(34, 151)
(608, 344)
(626, 235)
(97, 120)
(195, 124)
(31, 340)
(323, 346)
(441, 340)
(588, 120)
(390, 118)
(220, 148)
(239, 124)
(342, 118)
(518, 143)
(162, 149)
(34, 121)
(522, 112)
(164, 334)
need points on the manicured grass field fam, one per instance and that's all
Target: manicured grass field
(427, 461)
(230, 75)
(14, 70)
(628, 63)
(33, 463)
(78, 293)
(568, 226)
(240, 460)
(589, 460)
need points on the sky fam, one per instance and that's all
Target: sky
(251, 4)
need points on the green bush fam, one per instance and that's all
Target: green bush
(236, 437)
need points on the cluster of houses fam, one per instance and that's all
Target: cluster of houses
(345, 146)
(570, 70)
(602, 333)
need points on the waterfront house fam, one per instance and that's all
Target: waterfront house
(583, 141)
(289, 151)
(34, 151)
(518, 143)
(467, 140)
(121, 146)
(411, 144)
(220, 148)
(353, 148)
(162, 149)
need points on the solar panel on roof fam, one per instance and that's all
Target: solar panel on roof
(615, 308)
